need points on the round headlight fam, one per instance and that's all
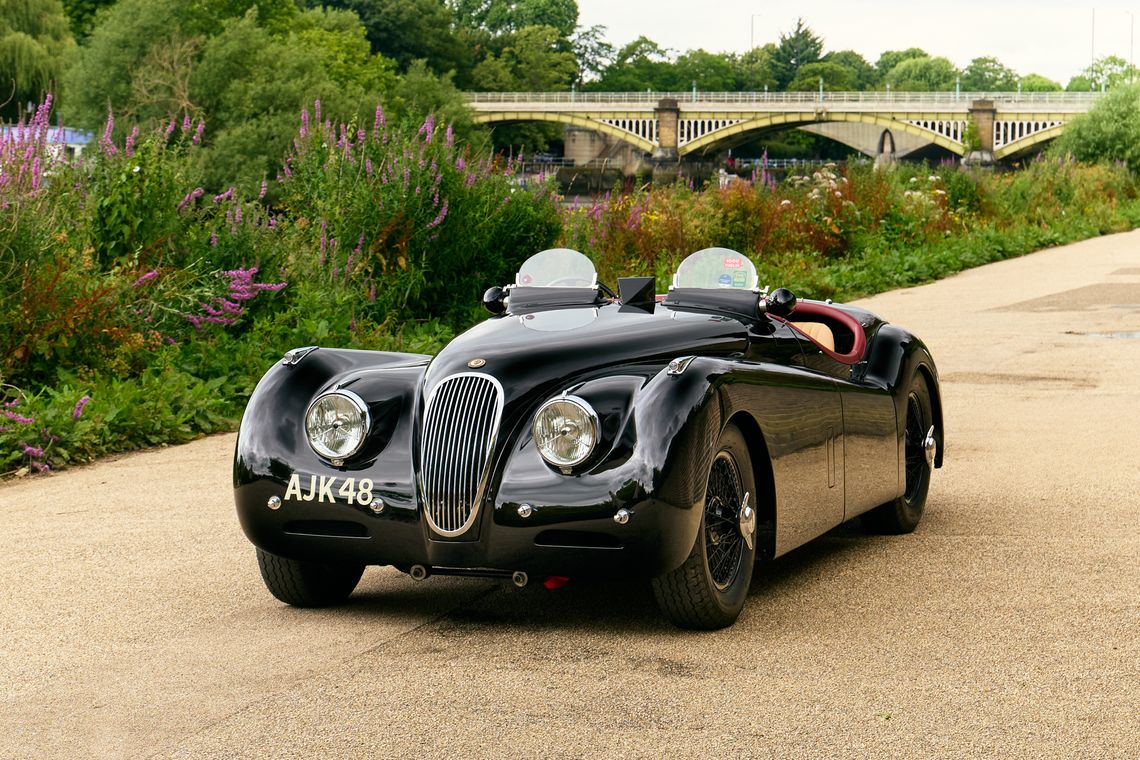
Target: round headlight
(337, 424)
(565, 431)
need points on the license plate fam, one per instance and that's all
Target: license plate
(329, 489)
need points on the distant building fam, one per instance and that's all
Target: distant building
(63, 142)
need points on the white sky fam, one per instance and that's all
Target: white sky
(1049, 37)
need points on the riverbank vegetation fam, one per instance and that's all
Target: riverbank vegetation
(140, 309)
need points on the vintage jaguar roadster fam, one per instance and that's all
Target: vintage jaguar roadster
(579, 432)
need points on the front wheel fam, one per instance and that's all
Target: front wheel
(709, 589)
(903, 514)
(307, 584)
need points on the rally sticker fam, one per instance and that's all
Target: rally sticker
(320, 488)
(733, 263)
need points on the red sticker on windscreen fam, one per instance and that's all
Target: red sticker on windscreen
(733, 263)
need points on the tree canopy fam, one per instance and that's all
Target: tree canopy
(35, 46)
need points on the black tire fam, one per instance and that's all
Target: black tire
(307, 584)
(709, 589)
(904, 513)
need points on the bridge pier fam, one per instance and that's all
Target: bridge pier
(668, 114)
(982, 115)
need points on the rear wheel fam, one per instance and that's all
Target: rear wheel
(708, 591)
(904, 513)
(307, 584)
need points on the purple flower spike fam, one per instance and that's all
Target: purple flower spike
(198, 132)
(264, 190)
(146, 278)
(80, 405)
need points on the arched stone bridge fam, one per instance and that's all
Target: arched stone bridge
(676, 125)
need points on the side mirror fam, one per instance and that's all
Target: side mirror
(781, 303)
(493, 300)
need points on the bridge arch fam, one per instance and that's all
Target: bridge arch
(585, 121)
(1026, 143)
(790, 120)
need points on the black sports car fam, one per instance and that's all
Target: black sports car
(582, 432)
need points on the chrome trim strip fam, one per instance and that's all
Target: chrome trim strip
(461, 422)
(294, 356)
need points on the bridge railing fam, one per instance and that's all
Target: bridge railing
(780, 98)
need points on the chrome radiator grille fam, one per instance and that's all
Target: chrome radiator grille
(461, 421)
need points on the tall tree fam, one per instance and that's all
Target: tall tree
(1104, 74)
(35, 45)
(988, 74)
(866, 77)
(406, 30)
(796, 48)
(640, 65)
(834, 78)
(498, 16)
(715, 72)
(530, 60)
(593, 52)
(81, 14)
(891, 58)
(1039, 83)
(923, 75)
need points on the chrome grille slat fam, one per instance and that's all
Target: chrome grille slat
(461, 422)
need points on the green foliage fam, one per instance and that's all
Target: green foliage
(1039, 83)
(499, 16)
(866, 76)
(844, 234)
(592, 52)
(835, 77)
(640, 65)
(988, 74)
(795, 49)
(1104, 73)
(393, 214)
(531, 59)
(923, 75)
(406, 30)
(891, 58)
(35, 46)
(245, 67)
(1110, 131)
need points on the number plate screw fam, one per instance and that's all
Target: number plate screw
(274, 502)
(377, 506)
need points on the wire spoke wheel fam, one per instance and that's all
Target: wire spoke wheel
(723, 500)
(917, 470)
(709, 589)
(903, 514)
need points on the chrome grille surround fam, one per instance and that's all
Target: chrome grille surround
(461, 422)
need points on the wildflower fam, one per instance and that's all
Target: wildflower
(940, 192)
(19, 419)
(136, 169)
(442, 215)
(192, 196)
(198, 132)
(80, 405)
(264, 189)
(33, 451)
(932, 178)
(913, 180)
(304, 122)
(379, 121)
(130, 145)
(186, 123)
(213, 239)
(145, 278)
(450, 136)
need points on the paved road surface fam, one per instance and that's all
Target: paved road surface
(134, 622)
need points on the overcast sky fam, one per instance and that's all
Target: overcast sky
(1049, 37)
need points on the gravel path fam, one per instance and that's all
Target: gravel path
(133, 622)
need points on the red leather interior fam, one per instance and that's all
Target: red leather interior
(815, 311)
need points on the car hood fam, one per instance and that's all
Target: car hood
(550, 350)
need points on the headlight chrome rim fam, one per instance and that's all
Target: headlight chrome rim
(338, 457)
(590, 416)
